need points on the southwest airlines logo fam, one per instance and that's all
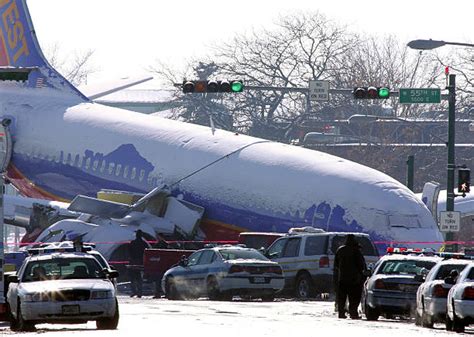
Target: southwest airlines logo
(13, 42)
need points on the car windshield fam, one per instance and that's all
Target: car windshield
(235, 254)
(62, 268)
(407, 267)
(444, 270)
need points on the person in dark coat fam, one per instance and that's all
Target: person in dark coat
(136, 250)
(349, 268)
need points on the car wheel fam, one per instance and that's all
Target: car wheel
(111, 322)
(371, 314)
(172, 292)
(23, 325)
(458, 325)
(449, 323)
(304, 286)
(417, 318)
(268, 298)
(426, 320)
(13, 321)
(213, 291)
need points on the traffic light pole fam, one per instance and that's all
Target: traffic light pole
(451, 154)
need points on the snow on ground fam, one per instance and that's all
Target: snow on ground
(151, 317)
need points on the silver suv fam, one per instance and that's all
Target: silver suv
(307, 259)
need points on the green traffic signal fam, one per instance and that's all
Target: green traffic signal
(237, 86)
(384, 92)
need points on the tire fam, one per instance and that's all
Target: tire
(426, 320)
(417, 318)
(110, 323)
(13, 321)
(213, 291)
(458, 325)
(371, 314)
(172, 292)
(23, 325)
(268, 298)
(304, 288)
(449, 323)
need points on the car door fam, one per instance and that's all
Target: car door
(187, 276)
(286, 253)
(202, 270)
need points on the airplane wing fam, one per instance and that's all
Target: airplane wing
(94, 91)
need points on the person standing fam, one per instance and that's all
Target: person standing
(349, 268)
(136, 250)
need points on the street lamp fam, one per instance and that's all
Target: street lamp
(428, 45)
(432, 44)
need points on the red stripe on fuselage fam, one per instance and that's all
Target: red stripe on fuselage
(27, 188)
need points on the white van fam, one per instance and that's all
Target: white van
(307, 259)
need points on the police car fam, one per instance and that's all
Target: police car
(391, 290)
(460, 301)
(221, 272)
(432, 294)
(68, 287)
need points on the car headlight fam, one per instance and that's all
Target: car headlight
(96, 295)
(35, 297)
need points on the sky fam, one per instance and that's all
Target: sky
(130, 36)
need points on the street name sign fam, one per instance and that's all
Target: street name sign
(420, 95)
(449, 221)
(319, 90)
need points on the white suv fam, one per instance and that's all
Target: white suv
(307, 259)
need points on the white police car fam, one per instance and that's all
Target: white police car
(460, 301)
(432, 294)
(391, 290)
(70, 287)
(221, 272)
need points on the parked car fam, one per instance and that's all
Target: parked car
(460, 301)
(391, 290)
(222, 272)
(69, 287)
(307, 258)
(432, 294)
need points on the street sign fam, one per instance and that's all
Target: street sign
(319, 90)
(420, 95)
(449, 221)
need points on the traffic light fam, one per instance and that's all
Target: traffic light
(212, 86)
(371, 93)
(464, 180)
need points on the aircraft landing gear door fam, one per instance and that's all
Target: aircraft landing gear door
(5, 145)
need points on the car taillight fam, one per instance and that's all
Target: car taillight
(440, 291)
(379, 284)
(468, 293)
(236, 269)
(324, 262)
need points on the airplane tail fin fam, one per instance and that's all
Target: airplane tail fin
(21, 57)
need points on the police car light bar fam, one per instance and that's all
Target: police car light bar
(411, 251)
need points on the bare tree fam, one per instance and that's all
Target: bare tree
(75, 67)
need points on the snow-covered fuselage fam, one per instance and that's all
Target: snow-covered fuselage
(64, 147)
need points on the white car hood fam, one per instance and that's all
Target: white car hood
(57, 285)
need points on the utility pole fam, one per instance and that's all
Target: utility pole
(451, 153)
(410, 171)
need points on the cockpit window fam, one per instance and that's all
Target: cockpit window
(404, 221)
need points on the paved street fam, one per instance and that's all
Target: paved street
(153, 317)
